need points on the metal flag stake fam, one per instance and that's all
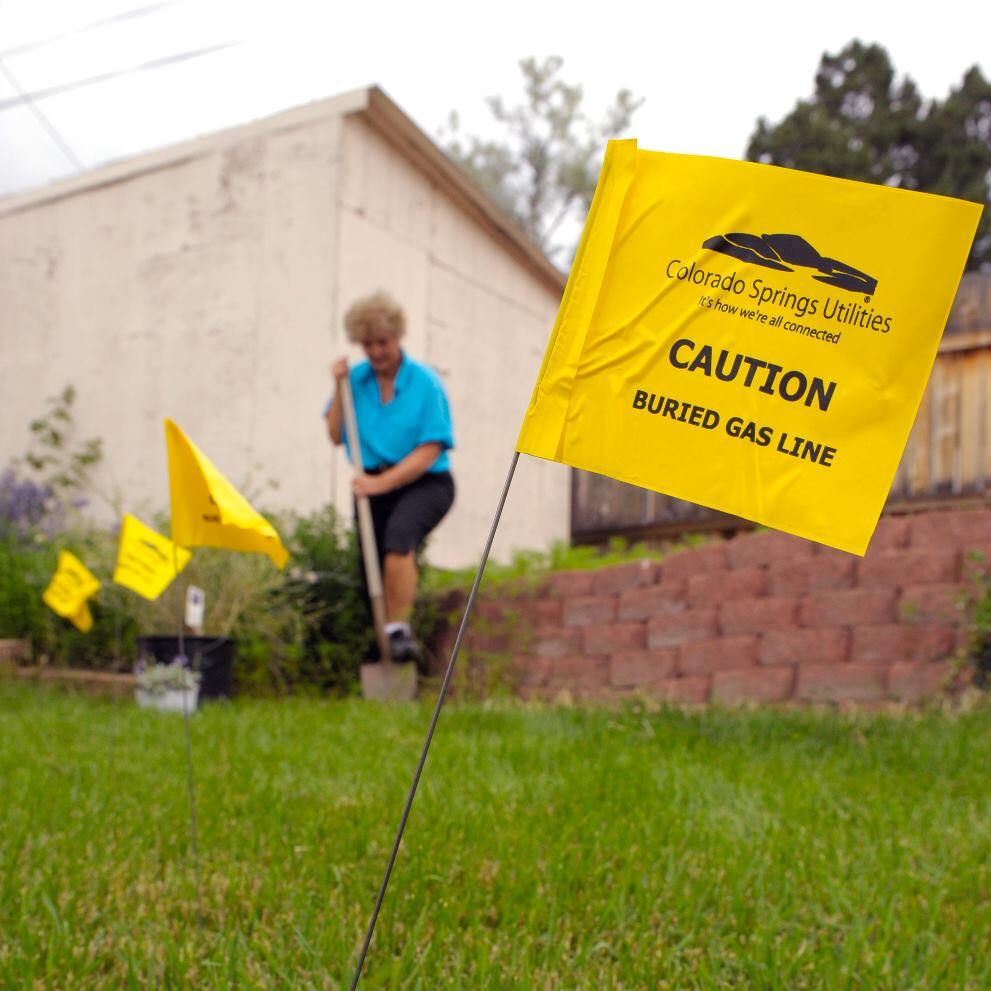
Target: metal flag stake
(433, 723)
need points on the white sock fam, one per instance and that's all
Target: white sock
(391, 628)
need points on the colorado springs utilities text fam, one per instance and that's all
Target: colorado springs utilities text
(845, 311)
(773, 380)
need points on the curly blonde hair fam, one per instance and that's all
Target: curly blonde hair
(373, 315)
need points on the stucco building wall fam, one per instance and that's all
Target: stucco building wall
(207, 283)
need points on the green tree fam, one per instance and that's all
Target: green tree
(863, 122)
(544, 166)
(58, 460)
(955, 153)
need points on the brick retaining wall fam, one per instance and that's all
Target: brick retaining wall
(763, 617)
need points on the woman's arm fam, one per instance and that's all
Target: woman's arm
(402, 473)
(335, 415)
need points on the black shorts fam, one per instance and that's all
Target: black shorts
(403, 517)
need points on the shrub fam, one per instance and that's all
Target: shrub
(24, 572)
(977, 606)
(304, 629)
(300, 630)
(327, 581)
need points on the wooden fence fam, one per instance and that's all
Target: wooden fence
(947, 460)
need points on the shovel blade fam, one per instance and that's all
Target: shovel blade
(388, 682)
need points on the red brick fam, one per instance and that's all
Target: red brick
(641, 667)
(585, 610)
(509, 624)
(694, 561)
(937, 603)
(824, 571)
(960, 529)
(811, 645)
(613, 638)
(557, 643)
(716, 586)
(604, 696)
(567, 584)
(542, 612)
(823, 552)
(898, 567)
(681, 627)
(522, 588)
(652, 600)
(757, 615)
(766, 547)
(488, 613)
(442, 646)
(706, 656)
(488, 643)
(692, 690)
(911, 681)
(840, 682)
(891, 532)
(901, 642)
(753, 685)
(620, 577)
(849, 607)
(530, 693)
(578, 672)
(490, 610)
(531, 670)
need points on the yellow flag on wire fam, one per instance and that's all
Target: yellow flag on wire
(750, 338)
(147, 562)
(82, 618)
(207, 511)
(71, 585)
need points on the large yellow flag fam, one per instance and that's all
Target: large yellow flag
(207, 511)
(71, 585)
(146, 561)
(751, 338)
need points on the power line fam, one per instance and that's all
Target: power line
(44, 94)
(124, 16)
(26, 99)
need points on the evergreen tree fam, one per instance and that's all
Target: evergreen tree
(864, 123)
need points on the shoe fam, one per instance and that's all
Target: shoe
(403, 647)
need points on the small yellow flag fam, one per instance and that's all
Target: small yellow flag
(82, 618)
(750, 338)
(207, 511)
(147, 562)
(71, 585)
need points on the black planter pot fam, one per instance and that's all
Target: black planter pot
(213, 657)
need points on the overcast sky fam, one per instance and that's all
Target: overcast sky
(706, 70)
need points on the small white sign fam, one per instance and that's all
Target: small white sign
(195, 607)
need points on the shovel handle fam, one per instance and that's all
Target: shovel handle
(369, 550)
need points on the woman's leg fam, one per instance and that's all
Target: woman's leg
(400, 580)
(419, 507)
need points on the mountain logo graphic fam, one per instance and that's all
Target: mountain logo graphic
(786, 252)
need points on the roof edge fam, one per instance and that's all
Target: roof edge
(392, 122)
(370, 103)
(120, 170)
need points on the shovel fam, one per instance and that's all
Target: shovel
(385, 681)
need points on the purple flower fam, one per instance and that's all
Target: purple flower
(27, 507)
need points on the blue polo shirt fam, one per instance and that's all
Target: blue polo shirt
(417, 414)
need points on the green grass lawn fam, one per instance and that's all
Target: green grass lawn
(548, 848)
